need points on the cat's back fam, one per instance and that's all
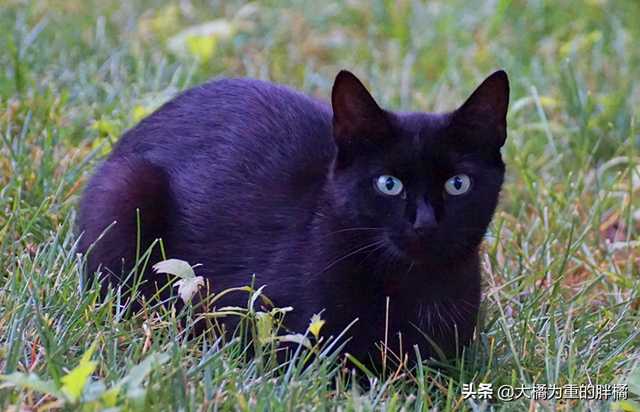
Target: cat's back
(245, 126)
(229, 174)
(225, 167)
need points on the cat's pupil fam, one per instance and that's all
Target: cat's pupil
(457, 183)
(390, 183)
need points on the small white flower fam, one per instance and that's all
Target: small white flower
(189, 283)
(188, 287)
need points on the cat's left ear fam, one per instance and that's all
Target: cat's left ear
(486, 109)
(359, 124)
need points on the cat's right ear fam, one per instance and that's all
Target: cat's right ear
(484, 114)
(359, 124)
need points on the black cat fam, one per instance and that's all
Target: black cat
(332, 207)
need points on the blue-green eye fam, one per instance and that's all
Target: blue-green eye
(389, 185)
(458, 185)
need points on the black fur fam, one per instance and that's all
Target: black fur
(248, 177)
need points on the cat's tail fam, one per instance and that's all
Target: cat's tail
(127, 205)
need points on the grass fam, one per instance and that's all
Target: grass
(561, 261)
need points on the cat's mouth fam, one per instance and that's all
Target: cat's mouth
(408, 246)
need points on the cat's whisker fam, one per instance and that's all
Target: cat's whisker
(385, 258)
(353, 229)
(343, 258)
(466, 306)
(358, 246)
(389, 260)
(409, 270)
(371, 253)
(455, 308)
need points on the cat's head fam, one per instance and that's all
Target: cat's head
(417, 186)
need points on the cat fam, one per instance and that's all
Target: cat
(335, 208)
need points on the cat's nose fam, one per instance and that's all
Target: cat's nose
(425, 219)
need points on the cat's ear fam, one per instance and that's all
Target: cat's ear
(486, 109)
(359, 123)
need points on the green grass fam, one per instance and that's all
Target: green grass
(561, 262)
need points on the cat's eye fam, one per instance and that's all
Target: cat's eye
(389, 185)
(458, 185)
